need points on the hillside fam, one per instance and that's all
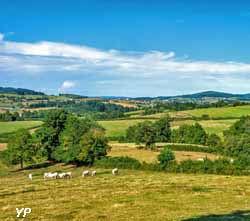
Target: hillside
(132, 195)
(19, 91)
(200, 96)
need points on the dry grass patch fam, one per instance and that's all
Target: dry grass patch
(3, 146)
(131, 150)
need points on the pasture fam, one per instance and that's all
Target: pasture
(8, 127)
(214, 113)
(132, 195)
(115, 128)
(220, 112)
(148, 156)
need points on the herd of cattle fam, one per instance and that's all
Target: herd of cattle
(66, 175)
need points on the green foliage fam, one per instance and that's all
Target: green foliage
(97, 109)
(213, 140)
(148, 132)
(20, 148)
(7, 116)
(163, 129)
(237, 138)
(119, 162)
(191, 134)
(48, 136)
(81, 142)
(166, 156)
(143, 132)
(92, 146)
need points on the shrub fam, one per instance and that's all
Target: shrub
(166, 156)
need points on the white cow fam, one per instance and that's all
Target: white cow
(85, 173)
(30, 176)
(68, 175)
(61, 175)
(200, 159)
(115, 171)
(93, 173)
(50, 175)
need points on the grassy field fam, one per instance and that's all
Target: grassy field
(130, 150)
(8, 127)
(132, 195)
(222, 112)
(118, 127)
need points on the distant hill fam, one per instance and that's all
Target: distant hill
(204, 94)
(215, 94)
(20, 91)
(201, 95)
(73, 96)
(185, 97)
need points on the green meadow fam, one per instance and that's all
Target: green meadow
(132, 195)
(8, 127)
(115, 128)
(222, 112)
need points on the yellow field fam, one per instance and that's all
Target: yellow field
(130, 150)
(132, 195)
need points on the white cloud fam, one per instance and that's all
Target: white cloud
(57, 57)
(1, 36)
(67, 85)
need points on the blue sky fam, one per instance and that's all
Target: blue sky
(125, 48)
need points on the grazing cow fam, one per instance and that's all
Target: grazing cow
(68, 175)
(30, 176)
(85, 173)
(231, 160)
(200, 159)
(115, 171)
(50, 175)
(61, 175)
(93, 173)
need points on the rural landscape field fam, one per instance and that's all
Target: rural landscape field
(197, 180)
(124, 110)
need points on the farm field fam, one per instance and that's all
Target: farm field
(145, 195)
(221, 112)
(118, 127)
(8, 127)
(130, 150)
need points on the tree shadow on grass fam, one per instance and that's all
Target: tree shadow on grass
(241, 215)
(39, 165)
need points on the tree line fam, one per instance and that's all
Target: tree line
(149, 132)
(62, 138)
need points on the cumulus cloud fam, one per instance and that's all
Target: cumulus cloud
(67, 85)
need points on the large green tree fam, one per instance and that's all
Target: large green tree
(48, 136)
(76, 142)
(192, 134)
(163, 129)
(20, 148)
(237, 138)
